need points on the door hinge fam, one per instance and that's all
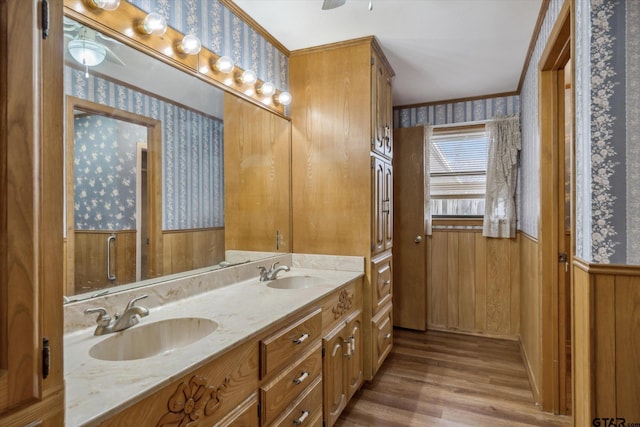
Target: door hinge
(44, 11)
(46, 351)
(259, 412)
(373, 60)
(322, 351)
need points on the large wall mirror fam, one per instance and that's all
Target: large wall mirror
(165, 172)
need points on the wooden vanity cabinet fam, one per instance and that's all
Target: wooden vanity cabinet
(341, 156)
(291, 365)
(210, 393)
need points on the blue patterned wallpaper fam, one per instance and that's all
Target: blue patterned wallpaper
(105, 173)
(221, 31)
(456, 112)
(192, 150)
(529, 173)
(608, 131)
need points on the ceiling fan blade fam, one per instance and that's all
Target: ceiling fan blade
(332, 4)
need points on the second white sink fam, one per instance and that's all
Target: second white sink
(296, 282)
(151, 339)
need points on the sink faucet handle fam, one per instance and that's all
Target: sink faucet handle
(103, 316)
(273, 266)
(134, 300)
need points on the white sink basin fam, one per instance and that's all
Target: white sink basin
(296, 282)
(151, 339)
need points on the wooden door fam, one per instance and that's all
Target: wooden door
(31, 161)
(333, 374)
(354, 363)
(409, 274)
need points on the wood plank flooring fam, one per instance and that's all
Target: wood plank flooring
(443, 379)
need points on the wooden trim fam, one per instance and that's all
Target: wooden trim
(456, 100)
(192, 230)
(528, 236)
(456, 222)
(382, 56)
(510, 337)
(534, 40)
(236, 10)
(454, 129)
(535, 390)
(608, 269)
(368, 40)
(557, 50)
(104, 231)
(551, 113)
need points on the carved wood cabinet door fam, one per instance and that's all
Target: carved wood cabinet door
(333, 374)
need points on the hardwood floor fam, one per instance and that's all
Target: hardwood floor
(444, 379)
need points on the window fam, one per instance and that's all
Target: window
(458, 172)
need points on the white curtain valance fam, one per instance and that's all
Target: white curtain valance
(500, 207)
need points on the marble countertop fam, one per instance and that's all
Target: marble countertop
(97, 389)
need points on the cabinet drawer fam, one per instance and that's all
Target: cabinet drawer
(289, 343)
(382, 331)
(245, 415)
(381, 282)
(307, 411)
(288, 385)
(337, 306)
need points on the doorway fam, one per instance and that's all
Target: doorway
(113, 202)
(557, 231)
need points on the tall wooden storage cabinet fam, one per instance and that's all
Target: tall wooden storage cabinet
(31, 101)
(342, 184)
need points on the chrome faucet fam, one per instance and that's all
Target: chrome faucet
(130, 317)
(272, 273)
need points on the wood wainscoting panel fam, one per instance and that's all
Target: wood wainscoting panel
(185, 250)
(530, 321)
(606, 352)
(473, 283)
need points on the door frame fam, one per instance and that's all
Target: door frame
(558, 51)
(154, 183)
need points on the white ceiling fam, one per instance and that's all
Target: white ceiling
(439, 49)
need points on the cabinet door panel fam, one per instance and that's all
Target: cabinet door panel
(354, 364)
(378, 176)
(381, 282)
(382, 325)
(387, 206)
(334, 393)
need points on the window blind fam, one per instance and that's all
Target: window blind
(458, 163)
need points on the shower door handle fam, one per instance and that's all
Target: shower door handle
(110, 277)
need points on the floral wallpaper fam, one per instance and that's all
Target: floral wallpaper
(221, 31)
(192, 150)
(105, 173)
(456, 112)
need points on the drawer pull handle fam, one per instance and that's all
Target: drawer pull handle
(301, 378)
(387, 282)
(387, 336)
(302, 338)
(303, 417)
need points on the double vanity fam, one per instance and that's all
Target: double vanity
(222, 347)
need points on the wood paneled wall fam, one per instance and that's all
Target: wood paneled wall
(90, 255)
(606, 307)
(473, 283)
(530, 321)
(190, 249)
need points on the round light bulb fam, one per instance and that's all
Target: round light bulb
(190, 45)
(154, 23)
(267, 89)
(224, 64)
(248, 77)
(105, 4)
(284, 98)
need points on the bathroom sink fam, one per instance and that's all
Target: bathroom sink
(296, 282)
(151, 339)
